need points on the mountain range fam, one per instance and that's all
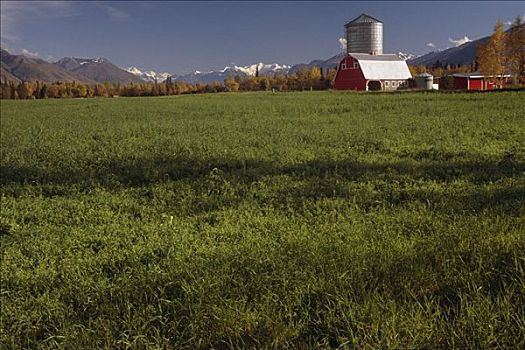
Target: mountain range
(234, 70)
(17, 68)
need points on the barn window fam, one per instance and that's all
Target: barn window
(386, 83)
(356, 64)
(343, 66)
(394, 83)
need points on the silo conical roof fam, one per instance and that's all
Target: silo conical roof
(363, 18)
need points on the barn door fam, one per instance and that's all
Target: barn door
(374, 85)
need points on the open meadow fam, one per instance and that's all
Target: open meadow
(260, 220)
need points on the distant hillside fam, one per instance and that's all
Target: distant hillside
(6, 75)
(332, 62)
(460, 55)
(20, 67)
(97, 69)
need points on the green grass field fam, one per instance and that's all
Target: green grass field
(259, 220)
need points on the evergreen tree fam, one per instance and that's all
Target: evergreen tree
(43, 91)
(13, 94)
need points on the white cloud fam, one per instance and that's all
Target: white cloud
(113, 12)
(342, 43)
(116, 13)
(432, 45)
(15, 13)
(460, 41)
(34, 54)
(26, 52)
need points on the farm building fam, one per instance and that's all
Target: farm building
(361, 71)
(365, 67)
(476, 81)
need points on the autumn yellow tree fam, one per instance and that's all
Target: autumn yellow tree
(24, 90)
(303, 77)
(314, 77)
(491, 56)
(231, 84)
(515, 50)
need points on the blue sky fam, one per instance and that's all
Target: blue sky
(180, 37)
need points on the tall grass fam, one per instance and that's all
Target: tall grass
(298, 220)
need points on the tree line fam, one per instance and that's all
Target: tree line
(440, 69)
(304, 79)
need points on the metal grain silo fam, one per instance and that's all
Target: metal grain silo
(364, 35)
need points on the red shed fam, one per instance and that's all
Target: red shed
(476, 81)
(362, 71)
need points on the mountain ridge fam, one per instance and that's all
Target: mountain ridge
(97, 69)
(329, 63)
(458, 55)
(26, 68)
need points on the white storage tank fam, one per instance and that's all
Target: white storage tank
(424, 81)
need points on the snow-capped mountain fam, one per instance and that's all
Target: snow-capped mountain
(150, 75)
(234, 70)
(71, 63)
(406, 56)
(264, 69)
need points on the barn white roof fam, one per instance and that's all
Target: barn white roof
(382, 67)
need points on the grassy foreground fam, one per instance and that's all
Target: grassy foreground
(297, 220)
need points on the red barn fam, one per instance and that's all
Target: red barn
(476, 81)
(362, 71)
